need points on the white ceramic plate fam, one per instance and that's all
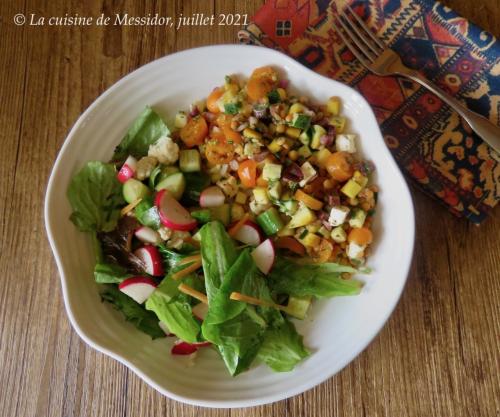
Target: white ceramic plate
(337, 329)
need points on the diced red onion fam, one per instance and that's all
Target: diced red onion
(327, 225)
(323, 215)
(193, 110)
(210, 117)
(333, 200)
(259, 113)
(283, 83)
(293, 173)
(259, 157)
(326, 140)
(331, 131)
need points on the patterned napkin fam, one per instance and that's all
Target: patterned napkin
(429, 141)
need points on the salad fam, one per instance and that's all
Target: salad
(221, 229)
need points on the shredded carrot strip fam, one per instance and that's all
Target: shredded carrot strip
(186, 289)
(233, 230)
(130, 206)
(186, 271)
(188, 259)
(255, 301)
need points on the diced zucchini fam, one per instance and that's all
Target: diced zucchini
(302, 217)
(305, 137)
(304, 151)
(189, 160)
(271, 172)
(318, 131)
(134, 189)
(351, 188)
(301, 121)
(270, 221)
(321, 157)
(237, 212)
(286, 231)
(175, 183)
(298, 306)
(310, 240)
(222, 213)
(274, 190)
(202, 215)
(338, 234)
(297, 108)
(313, 227)
(333, 106)
(241, 197)
(260, 195)
(289, 207)
(358, 218)
(180, 120)
(338, 123)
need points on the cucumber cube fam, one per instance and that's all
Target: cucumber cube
(189, 160)
(338, 234)
(274, 190)
(260, 195)
(133, 190)
(180, 120)
(302, 217)
(298, 306)
(304, 151)
(318, 131)
(301, 121)
(271, 172)
(175, 183)
(351, 188)
(358, 218)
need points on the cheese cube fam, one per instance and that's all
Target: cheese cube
(309, 173)
(346, 143)
(355, 251)
(338, 215)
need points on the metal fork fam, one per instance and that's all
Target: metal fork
(381, 60)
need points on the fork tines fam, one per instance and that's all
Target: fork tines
(360, 40)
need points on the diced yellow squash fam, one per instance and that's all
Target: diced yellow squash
(318, 131)
(321, 157)
(360, 179)
(302, 217)
(351, 188)
(275, 145)
(293, 132)
(333, 106)
(237, 212)
(271, 171)
(338, 123)
(286, 231)
(297, 108)
(304, 151)
(282, 93)
(260, 195)
(313, 227)
(251, 134)
(310, 240)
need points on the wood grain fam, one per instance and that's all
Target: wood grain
(437, 356)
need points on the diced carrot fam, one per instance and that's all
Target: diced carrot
(309, 201)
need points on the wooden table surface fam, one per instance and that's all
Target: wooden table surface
(437, 355)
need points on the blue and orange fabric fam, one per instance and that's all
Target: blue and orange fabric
(431, 144)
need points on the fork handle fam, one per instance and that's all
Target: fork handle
(489, 132)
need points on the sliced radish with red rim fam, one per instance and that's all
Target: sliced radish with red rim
(172, 213)
(138, 288)
(264, 256)
(151, 259)
(127, 170)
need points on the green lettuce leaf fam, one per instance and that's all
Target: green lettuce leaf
(218, 253)
(172, 308)
(133, 312)
(146, 130)
(105, 273)
(319, 280)
(282, 347)
(95, 195)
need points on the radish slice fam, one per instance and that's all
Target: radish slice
(200, 311)
(264, 256)
(172, 214)
(147, 235)
(127, 170)
(184, 348)
(138, 288)
(151, 258)
(165, 328)
(249, 234)
(212, 197)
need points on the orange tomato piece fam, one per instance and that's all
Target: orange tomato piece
(339, 166)
(309, 201)
(247, 171)
(361, 236)
(261, 82)
(224, 122)
(290, 243)
(323, 252)
(212, 98)
(218, 150)
(194, 132)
